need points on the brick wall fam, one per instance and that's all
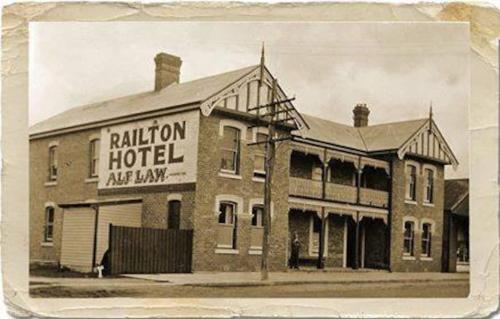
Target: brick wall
(71, 186)
(210, 184)
(400, 209)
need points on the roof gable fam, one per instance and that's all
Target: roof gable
(428, 141)
(251, 91)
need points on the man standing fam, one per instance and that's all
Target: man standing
(294, 259)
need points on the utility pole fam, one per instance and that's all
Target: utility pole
(269, 166)
(268, 115)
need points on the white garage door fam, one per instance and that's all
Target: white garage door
(78, 239)
(118, 215)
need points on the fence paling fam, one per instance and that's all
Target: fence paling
(147, 250)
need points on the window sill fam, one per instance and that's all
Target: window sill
(258, 179)
(409, 201)
(51, 183)
(92, 180)
(47, 244)
(425, 258)
(229, 175)
(255, 251)
(227, 251)
(408, 257)
(428, 204)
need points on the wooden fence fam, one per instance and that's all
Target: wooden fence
(148, 250)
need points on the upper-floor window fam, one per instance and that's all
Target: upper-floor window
(429, 186)
(260, 154)
(94, 147)
(53, 163)
(426, 239)
(48, 232)
(411, 182)
(174, 214)
(409, 236)
(230, 150)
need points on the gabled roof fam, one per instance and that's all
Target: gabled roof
(387, 136)
(456, 192)
(402, 137)
(174, 95)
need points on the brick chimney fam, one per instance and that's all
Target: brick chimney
(168, 70)
(361, 113)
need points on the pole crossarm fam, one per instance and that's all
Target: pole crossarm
(270, 104)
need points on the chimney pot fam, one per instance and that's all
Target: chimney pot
(168, 70)
(361, 113)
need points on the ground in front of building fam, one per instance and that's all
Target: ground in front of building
(303, 284)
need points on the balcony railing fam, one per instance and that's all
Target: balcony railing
(305, 187)
(374, 197)
(341, 193)
(337, 192)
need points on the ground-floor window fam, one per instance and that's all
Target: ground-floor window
(48, 233)
(426, 240)
(409, 236)
(227, 225)
(257, 226)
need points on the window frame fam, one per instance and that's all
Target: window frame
(53, 162)
(49, 210)
(236, 151)
(94, 157)
(411, 238)
(261, 207)
(427, 240)
(411, 180)
(426, 169)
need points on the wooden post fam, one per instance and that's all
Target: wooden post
(321, 253)
(96, 224)
(356, 247)
(321, 261)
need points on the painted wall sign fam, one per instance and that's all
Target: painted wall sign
(157, 151)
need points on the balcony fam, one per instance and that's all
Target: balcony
(337, 192)
(305, 187)
(341, 193)
(373, 197)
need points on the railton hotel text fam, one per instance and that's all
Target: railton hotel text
(183, 156)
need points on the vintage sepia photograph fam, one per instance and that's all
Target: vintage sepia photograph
(249, 160)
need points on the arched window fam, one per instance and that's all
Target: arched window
(257, 214)
(53, 163)
(174, 214)
(409, 238)
(227, 233)
(426, 239)
(94, 146)
(48, 232)
(230, 150)
(429, 186)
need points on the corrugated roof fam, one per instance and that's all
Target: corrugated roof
(455, 191)
(332, 132)
(389, 136)
(176, 94)
(372, 138)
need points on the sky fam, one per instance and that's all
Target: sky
(397, 69)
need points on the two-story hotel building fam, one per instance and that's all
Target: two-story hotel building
(184, 156)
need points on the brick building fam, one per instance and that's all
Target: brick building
(456, 225)
(180, 156)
